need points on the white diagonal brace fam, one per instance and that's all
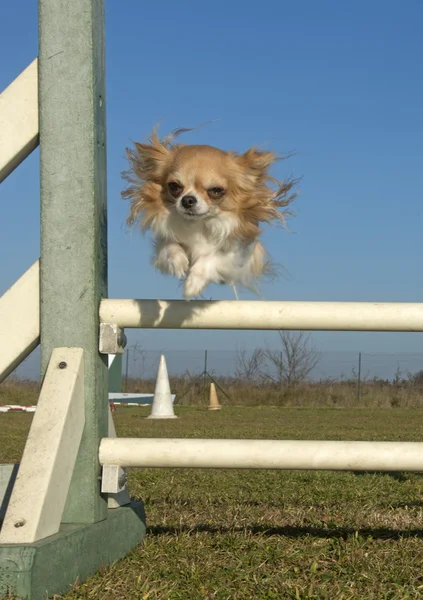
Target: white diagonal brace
(18, 120)
(19, 320)
(8, 474)
(41, 488)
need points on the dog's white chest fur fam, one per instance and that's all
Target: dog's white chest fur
(204, 252)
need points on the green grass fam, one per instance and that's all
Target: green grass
(265, 534)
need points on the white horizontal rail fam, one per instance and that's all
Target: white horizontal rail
(18, 120)
(321, 316)
(262, 454)
(19, 320)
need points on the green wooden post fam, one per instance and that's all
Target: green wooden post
(73, 281)
(74, 216)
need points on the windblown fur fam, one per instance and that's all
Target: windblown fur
(204, 207)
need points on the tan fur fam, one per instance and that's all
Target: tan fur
(251, 193)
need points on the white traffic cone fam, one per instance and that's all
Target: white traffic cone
(162, 407)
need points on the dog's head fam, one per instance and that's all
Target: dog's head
(203, 182)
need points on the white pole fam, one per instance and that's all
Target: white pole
(320, 316)
(262, 454)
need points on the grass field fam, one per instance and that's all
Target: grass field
(265, 534)
(190, 391)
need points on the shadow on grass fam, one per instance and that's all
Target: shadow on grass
(398, 475)
(379, 533)
(405, 505)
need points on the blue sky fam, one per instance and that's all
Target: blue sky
(339, 83)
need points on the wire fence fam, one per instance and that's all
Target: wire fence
(142, 364)
(139, 363)
(297, 376)
(291, 377)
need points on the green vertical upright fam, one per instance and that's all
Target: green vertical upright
(73, 281)
(74, 215)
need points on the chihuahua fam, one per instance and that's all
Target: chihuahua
(204, 207)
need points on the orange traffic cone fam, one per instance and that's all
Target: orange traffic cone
(213, 399)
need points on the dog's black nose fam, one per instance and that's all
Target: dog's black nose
(189, 201)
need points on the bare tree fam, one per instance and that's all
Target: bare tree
(249, 366)
(295, 359)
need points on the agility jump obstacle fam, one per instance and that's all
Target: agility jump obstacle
(69, 512)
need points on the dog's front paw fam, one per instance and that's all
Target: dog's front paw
(172, 260)
(194, 285)
(178, 265)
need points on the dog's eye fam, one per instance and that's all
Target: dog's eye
(216, 192)
(175, 188)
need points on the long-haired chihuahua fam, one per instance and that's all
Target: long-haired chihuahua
(204, 207)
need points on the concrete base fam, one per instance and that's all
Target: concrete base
(51, 566)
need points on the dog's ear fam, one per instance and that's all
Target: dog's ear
(257, 163)
(148, 161)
